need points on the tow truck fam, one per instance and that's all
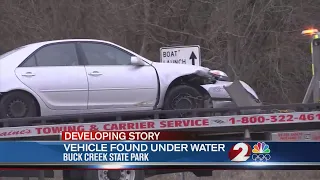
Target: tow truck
(249, 121)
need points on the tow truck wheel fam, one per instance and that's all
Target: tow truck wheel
(104, 175)
(183, 97)
(120, 175)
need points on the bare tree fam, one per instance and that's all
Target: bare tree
(257, 41)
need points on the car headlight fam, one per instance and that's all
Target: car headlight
(219, 75)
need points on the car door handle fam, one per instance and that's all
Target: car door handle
(95, 73)
(28, 74)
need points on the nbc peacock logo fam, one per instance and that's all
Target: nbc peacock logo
(261, 152)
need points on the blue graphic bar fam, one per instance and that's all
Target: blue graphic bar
(134, 154)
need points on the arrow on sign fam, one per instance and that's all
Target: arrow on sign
(193, 57)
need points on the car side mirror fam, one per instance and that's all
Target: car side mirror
(137, 61)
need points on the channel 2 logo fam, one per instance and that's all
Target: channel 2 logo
(241, 152)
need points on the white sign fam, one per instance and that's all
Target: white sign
(296, 136)
(181, 55)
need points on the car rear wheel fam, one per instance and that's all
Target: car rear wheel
(17, 104)
(183, 97)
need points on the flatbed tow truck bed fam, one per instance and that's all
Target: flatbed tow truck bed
(291, 118)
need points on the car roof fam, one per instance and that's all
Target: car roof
(42, 43)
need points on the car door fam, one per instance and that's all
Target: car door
(114, 83)
(54, 73)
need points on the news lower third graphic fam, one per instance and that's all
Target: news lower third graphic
(242, 152)
(160, 154)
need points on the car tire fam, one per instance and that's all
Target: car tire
(103, 175)
(17, 104)
(183, 97)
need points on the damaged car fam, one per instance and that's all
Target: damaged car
(86, 76)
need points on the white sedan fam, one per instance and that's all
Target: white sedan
(85, 75)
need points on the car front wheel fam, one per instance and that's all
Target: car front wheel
(183, 97)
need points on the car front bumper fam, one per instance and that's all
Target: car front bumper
(221, 98)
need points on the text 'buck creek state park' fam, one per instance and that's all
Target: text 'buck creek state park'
(130, 152)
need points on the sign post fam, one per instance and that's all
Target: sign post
(181, 55)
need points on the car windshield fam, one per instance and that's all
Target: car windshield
(10, 52)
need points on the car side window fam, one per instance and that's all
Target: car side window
(30, 62)
(54, 55)
(104, 54)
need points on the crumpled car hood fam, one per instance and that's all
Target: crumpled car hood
(170, 71)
